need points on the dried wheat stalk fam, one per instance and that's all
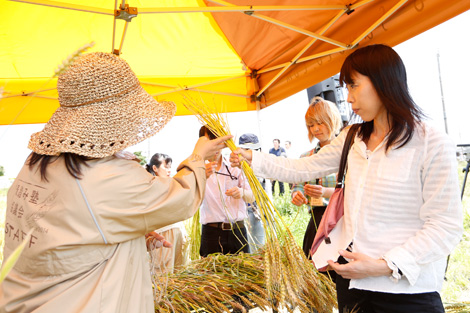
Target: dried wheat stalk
(289, 279)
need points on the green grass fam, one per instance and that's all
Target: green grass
(457, 285)
(296, 217)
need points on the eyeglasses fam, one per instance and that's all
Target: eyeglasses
(229, 174)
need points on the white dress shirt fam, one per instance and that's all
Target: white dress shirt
(403, 204)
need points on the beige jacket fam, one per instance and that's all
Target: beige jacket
(87, 252)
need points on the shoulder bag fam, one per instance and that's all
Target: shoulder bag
(335, 209)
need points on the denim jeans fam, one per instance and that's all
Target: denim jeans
(256, 236)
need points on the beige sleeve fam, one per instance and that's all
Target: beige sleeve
(129, 202)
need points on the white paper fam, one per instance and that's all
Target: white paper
(325, 252)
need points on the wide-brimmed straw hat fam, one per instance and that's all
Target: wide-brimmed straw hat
(103, 109)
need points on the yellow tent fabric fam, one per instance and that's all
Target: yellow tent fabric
(238, 55)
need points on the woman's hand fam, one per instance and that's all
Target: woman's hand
(360, 266)
(298, 198)
(154, 240)
(314, 191)
(206, 148)
(236, 160)
(234, 192)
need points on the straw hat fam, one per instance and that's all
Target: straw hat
(103, 109)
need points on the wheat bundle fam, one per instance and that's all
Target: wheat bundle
(194, 237)
(290, 280)
(213, 284)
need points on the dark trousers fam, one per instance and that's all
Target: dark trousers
(281, 187)
(224, 241)
(316, 213)
(363, 301)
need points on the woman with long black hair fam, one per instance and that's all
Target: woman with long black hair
(402, 208)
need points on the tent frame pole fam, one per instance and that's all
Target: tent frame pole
(294, 60)
(68, 6)
(379, 21)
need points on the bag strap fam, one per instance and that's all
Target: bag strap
(91, 211)
(344, 154)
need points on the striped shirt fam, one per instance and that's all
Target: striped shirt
(403, 204)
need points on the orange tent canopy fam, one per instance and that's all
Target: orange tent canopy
(238, 56)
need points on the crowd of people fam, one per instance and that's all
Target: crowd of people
(96, 212)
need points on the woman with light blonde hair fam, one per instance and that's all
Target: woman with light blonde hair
(323, 112)
(323, 123)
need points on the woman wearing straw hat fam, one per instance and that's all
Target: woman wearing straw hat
(88, 208)
(402, 208)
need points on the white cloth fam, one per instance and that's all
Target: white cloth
(216, 206)
(403, 205)
(179, 225)
(164, 260)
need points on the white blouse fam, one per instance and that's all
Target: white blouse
(403, 204)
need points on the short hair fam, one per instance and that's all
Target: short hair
(168, 159)
(278, 141)
(287, 141)
(325, 112)
(385, 69)
(157, 160)
(204, 130)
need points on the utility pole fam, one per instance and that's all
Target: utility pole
(442, 93)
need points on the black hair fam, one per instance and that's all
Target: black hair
(73, 163)
(203, 131)
(385, 69)
(278, 141)
(157, 160)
